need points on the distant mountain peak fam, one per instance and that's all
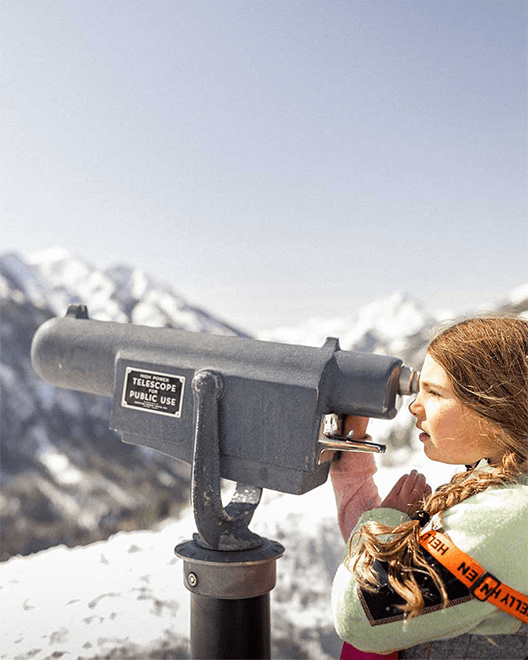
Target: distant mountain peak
(54, 278)
(384, 325)
(398, 308)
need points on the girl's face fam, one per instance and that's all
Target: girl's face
(451, 432)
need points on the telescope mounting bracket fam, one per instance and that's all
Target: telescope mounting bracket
(219, 528)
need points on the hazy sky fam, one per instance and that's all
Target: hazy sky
(276, 159)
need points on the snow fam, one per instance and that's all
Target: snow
(91, 600)
(48, 256)
(61, 468)
(397, 315)
(25, 278)
(126, 596)
(127, 593)
(55, 278)
(519, 294)
(65, 278)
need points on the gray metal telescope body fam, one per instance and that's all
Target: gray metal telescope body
(273, 399)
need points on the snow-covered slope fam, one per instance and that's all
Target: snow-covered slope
(125, 599)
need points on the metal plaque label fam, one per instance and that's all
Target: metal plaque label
(153, 392)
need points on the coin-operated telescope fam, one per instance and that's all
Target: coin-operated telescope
(265, 415)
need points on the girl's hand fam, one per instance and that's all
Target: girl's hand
(356, 424)
(407, 493)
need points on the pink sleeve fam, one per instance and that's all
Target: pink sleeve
(354, 487)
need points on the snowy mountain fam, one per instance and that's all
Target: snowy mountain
(52, 279)
(65, 477)
(395, 325)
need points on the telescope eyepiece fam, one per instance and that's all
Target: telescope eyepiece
(409, 381)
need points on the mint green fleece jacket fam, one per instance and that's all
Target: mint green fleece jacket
(491, 527)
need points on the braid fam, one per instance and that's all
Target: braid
(402, 551)
(472, 482)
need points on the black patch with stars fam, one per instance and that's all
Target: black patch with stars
(382, 606)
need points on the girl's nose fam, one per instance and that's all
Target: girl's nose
(413, 408)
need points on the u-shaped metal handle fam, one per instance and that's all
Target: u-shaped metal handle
(219, 528)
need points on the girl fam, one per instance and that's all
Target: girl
(391, 593)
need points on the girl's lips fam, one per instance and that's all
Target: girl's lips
(423, 437)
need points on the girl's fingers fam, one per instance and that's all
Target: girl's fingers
(420, 484)
(411, 482)
(414, 491)
(399, 485)
(407, 493)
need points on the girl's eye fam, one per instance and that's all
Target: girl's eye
(433, 393)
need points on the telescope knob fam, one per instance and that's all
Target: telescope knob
(77, 311)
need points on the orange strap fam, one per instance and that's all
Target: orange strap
(482, 585)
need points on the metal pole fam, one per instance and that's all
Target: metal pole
(230, 602)
(224, 629)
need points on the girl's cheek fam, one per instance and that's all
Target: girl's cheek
(434, 408)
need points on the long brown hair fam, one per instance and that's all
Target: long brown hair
(486, 360)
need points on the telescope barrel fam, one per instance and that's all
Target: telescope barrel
(77, 357)
(273, 400)
(81, 355)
